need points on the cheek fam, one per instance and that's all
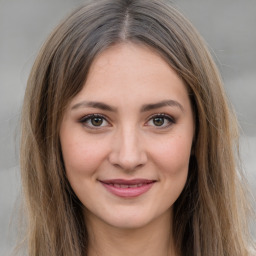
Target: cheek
(80, 156)
(173, 155)
(172, 158)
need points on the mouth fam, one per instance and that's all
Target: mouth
(128, 188)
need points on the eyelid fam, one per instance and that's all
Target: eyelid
(85, 118)
(170, 119)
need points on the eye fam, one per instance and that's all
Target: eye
(94, 121)
(160, 121)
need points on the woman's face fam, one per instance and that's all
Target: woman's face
(126, 138)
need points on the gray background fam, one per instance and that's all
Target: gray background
(228, 27)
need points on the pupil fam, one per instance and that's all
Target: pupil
(158, 121)
(97, 121)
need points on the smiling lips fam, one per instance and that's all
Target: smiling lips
(128, 188)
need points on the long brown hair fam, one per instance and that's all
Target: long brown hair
(210, 216)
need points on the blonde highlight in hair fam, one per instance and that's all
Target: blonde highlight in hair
(210, 216)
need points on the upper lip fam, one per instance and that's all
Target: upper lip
(127, 182)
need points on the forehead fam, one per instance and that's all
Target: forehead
(129, 72)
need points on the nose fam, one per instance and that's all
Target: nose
(128, 150)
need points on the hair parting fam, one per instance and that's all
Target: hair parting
(210, 216)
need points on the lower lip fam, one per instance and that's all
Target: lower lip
(128, 192)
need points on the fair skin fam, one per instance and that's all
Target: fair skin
(126, 140)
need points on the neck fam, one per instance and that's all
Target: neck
(150, 240)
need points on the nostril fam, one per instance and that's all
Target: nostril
(127, 164)
(127, 151)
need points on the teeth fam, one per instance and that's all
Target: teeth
(126, 185)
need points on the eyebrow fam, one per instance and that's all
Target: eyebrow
(164, 103)
(144, 108)
(94, 104)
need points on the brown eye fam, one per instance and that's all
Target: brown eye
(97, 121)
(158, 121)
(94, 121)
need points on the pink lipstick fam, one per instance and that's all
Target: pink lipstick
(128, 188)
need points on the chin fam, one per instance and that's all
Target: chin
(130, 218)
(133, 222)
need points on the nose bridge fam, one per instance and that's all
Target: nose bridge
(128, 152)
(129, 142)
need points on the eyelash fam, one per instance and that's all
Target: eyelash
(84, 120)
(169, 119)
(88, 118)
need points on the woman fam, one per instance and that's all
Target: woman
(128, 144)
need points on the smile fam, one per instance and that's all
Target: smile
(128, 188)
